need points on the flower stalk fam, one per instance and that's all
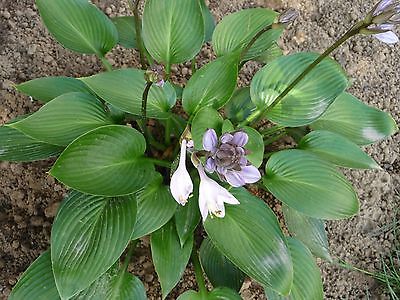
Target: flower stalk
(198, 271)
(134, 6)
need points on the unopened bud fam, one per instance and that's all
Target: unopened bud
(155, 75)
(288, 16)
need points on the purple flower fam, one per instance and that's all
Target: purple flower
(227, 156)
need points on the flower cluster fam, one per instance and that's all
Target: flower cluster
(226, 157)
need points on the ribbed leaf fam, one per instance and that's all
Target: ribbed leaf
(65, 118)
(215, 294)
(78, 25)
(169, 258)
(307, 282)
(272, 53)
(337, 149)
(124, 89)
(115, 284)
(255, 145)
(310, 185)
(212, 85)
(155, 208)
(173, 30)
(250, 237)
(106, 161)
(239, 106)
(205, 119)
(85, 227)
(209, 21)
(235, 31)
(309, 99)
(220, 271)
(37, 282)
(126, 31)
(48, 88)
(356, 121)
(15, 146)
(310, 231)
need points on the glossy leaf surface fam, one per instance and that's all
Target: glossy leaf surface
(205, 119)
(239, 106)
(126, 31)
(209, 21)
(255, 146)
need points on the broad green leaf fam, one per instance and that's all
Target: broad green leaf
(236, 30)
(115, 284)
(239, 106)
(155, 208)
(220, 271)
(188, 217)
(191, 295)
(310, 185)
(215, 294)
(173, 30)
(169, 258)
(308, 99)
(337, 149)
(126, 31)
(86, 226)
(205, 119)
(360, 123)
(310, 231)
(15, 146)
(255, 145)
(209, 21)
(272, 53)
(107, 161)
(63, 119)
(227, 126)
(78, 25)
(250, 237)
(212, 85)
(37, 282)
(124, 89)
(307, 282)
(48, 88)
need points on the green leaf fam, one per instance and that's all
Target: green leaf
(307, 100)
(307, 282)
(188, 217)
(155, 208)
(227, 126)
(173, 30)
(310, 231)
(212, 85)
(272, 53)
(107, 161)
(191, 295)
(65, 118)
(310, 185)
(239, 106)
(337, 150)
(124, 89)
(169, 258)
(236, 30)
(78, 25)
(205, 119)
(112, 285)
(220, 271)
(85, 227)
(360, 123)
(209, 21)
(255, 145)
(37, 282)
(48, 88)
(215, 294)
(15, 146)
(126, 31)
(250, 237)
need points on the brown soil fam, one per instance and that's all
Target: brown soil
(29, 197)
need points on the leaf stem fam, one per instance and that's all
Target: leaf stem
(194, 67)
(350, 33)
(107, 65)
(167, 137)
(134, 6)
(158, 162)
(128, 256)
(144, 99)
(254, 39)
(198, 271)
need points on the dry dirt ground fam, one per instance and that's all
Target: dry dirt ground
(29, 198)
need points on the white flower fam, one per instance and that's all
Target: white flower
(212, 196)
(181, 184)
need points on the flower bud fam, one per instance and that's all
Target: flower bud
(288, 16)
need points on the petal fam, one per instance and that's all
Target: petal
(181, 185)
(382, 6)
(221, 170)
(228, 198)
(210, 165)
(240, 138)
(250, 174)
(210, 140)
(219, 210)
(234, 178)
(243, 161)
(387, 37)
(226, 138)
(203, 203)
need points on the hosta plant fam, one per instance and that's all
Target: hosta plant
(143, 155)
